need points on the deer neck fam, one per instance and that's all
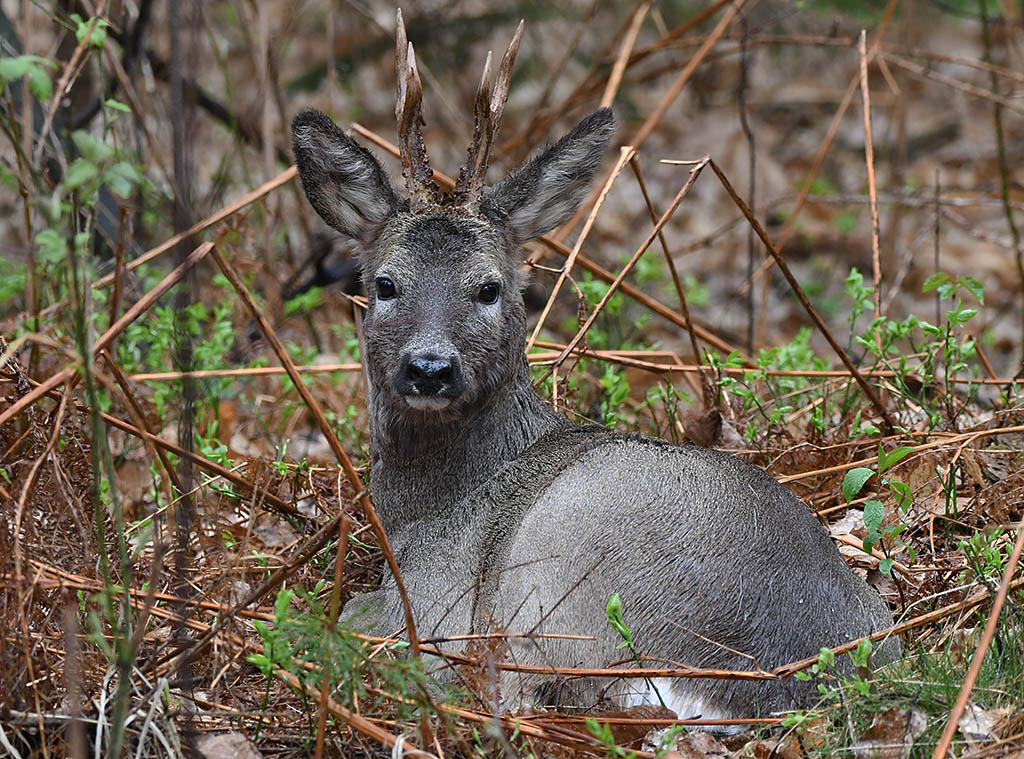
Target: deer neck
(422, 471)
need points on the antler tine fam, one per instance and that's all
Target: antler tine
(482, 116)
(419, 179)
(470, 187)
(500, 95)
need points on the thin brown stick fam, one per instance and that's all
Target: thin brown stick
(625, 154)
(823, 149)
(869, 391)
(627, 357)
(615, 78)
(203, 463)
(254, 371)
(680, 290)
(911, 624)
(356, 722)
(947, 441)
(978, 92)
(666, 101)
(115, 298)
(227, 211)
(979, 654)
(869, 159)
(680, 196)
(139, 418)
(658, 113)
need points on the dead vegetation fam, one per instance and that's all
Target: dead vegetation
(182, 425)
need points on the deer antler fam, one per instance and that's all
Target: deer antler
(489, 106)
(419, 179)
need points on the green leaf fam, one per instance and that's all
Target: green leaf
(901, 491)
(97, 34)
(614, 613)
(870, 540)
(886, 460)
(874, 511)
(95, 150)
(116, 105)
(975, 287)
(262, 663)
(80, 172)
(122, 178)
(854, 480)
(39, 83)
(8, 178)
(935, 281)
(885, 567)
(13, 68)
(284, 598)
(52, 246)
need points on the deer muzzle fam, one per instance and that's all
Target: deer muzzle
(429, 381)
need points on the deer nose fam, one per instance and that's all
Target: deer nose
(432, 370)
(429, 375)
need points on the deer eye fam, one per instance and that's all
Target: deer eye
(489, 293)
(385, 288)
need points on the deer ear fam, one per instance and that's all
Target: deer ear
(546, 190)
(343, 181)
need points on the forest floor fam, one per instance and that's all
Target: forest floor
(175, 545)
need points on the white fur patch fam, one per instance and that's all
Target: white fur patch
(678, 698)
(427, 403)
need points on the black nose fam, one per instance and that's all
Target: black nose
(430, 374)
(431, 371)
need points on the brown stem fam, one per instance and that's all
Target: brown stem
(869, 391)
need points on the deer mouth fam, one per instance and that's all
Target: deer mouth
(428, 402)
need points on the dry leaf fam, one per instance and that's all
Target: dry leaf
(977, 726)
(891, 735)
(627, 733)
(227, 746)
(697, 745)
(786, 747)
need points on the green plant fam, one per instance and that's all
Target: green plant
(616, 391)
(313, 647)
(613, 611)
(603, 733)
(986, 555)
(887, 537)
(769, 395)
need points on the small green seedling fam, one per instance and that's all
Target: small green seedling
(874, 509)
(614, 613)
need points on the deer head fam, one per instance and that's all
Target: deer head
(445, 325)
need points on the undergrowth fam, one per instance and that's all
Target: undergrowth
(782, 409)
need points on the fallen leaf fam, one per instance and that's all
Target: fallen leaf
(891, 735)
(786, 747)
(696, 745)
(227, 746)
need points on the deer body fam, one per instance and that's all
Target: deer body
(504, 515)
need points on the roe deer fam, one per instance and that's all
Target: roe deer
(503, 514)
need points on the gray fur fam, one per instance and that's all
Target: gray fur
(496, 506)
